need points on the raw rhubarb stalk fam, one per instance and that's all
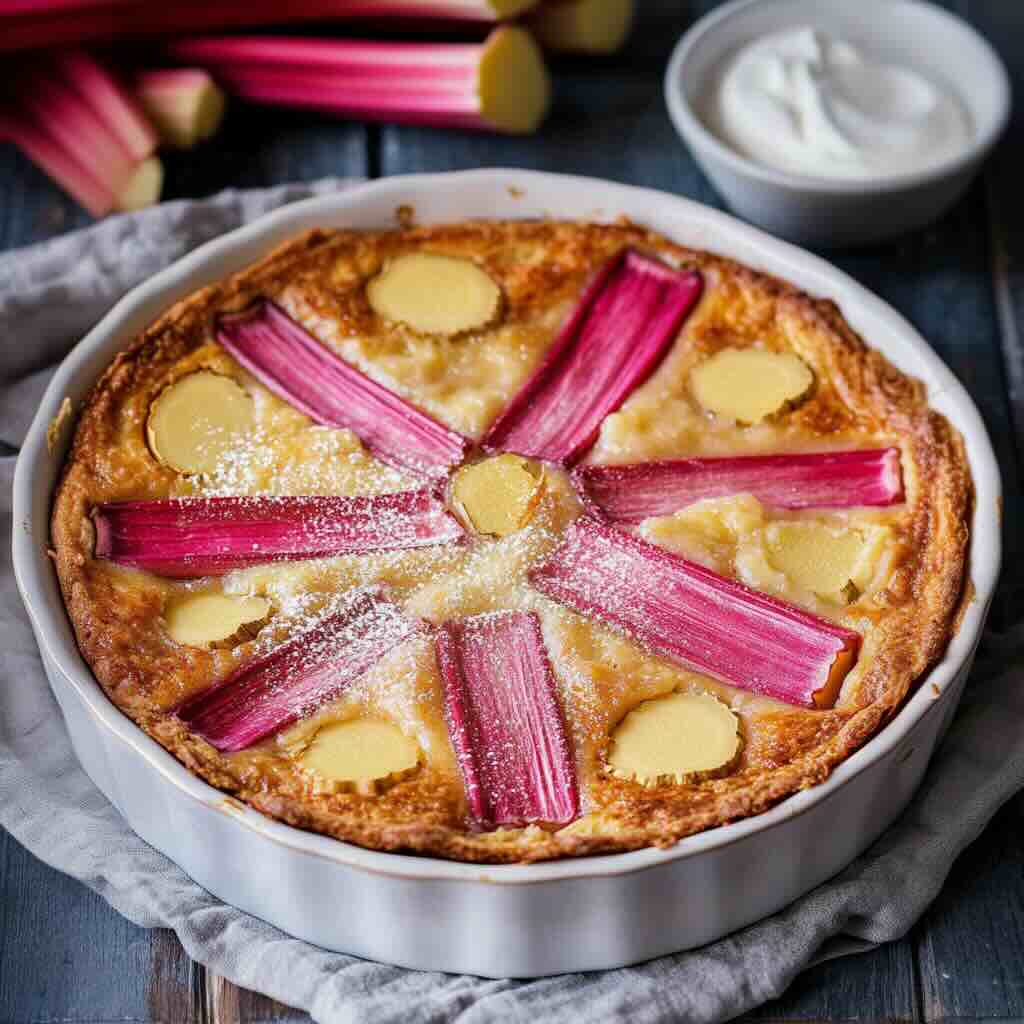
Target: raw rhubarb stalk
(39, 24)
(307, 375)
(57, 106)
(297, 678)
(624, 322)
(696, 617)
(498, 85)
(110, 100)
(185, 105)
(630, 493)
(505, 722)
(55, 161)
(189, 537)
(64, 104)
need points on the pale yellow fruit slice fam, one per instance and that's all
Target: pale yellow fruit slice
(679, 738)
(197, 419)
(513, 85)
(435, 294)
(748, 384)
(205, 620)
(361, 753)
(498, 496)
(837, 563)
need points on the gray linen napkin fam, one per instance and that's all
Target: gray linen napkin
(49, 296)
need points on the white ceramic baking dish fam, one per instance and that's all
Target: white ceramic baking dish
(497, 920)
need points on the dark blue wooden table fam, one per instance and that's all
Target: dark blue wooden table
(66, 957)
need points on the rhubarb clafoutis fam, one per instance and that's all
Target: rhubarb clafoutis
(509, 541)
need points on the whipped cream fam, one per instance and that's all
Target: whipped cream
(803, 102)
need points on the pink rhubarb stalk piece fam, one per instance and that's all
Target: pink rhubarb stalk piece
(290, 362)
(696, 617)
(631, 493)
(44, 24)
(497, 85)
(505, 721)
(300, 676)
(112, 103)
(622, 325)
(56, 105)
(184, 538)
(63, 123)
(58, 164)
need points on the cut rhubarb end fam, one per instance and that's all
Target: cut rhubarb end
(307, 375)
(143, 187)
(505, 721)
(582, 26)
(184, 538)
(694, 616)
(185, 104)
(512, 82)
(295, 679)
(621, 327)
(631, 493)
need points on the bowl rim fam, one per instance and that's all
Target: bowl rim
(693, 132)
(33, 567)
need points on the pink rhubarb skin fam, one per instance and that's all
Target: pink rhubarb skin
(505, 722)
(309, 376)
(184, 538)
(407, 82)
(623, 324)
(111, 102)
(696, 617)
(57, 106)
(43, 24)
(272, 10)
(300, 676)
(57, 163)
(631, 493)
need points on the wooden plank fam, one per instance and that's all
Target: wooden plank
(225, 1003)
(1003, 24)
(876, 985)
(66, 956)
(33, 208)
(970, 944)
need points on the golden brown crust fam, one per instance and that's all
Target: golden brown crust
(856, 390)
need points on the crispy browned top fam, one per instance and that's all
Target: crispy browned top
(858, 399)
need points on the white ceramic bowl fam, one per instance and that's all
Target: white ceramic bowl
(821, 211)
(518, 920)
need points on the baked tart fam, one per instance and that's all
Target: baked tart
(509, 541)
